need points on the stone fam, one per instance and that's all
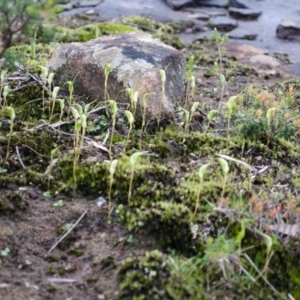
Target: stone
(178, 4)
(199, 16)
(136, 60)
(213, 3)
(207, 11)
(244, 13)
(242, 34)
(239, 3)
(243, 51)
(288, 30)
(223, 23)
(265, 60)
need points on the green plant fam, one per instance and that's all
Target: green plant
(210, 117)
(114, 109)
(12, 115)
(144, 101)
(133, 96)
(201, 174)
(130, 119)
(112, 170)
(225, 169)
(107, 70)
(58, 203)
(52, 162)
(163, 94)
(52, 102)
(6, 91)
(2, 80)
(80, 116)
(62, 106)
(218, 66)
(71, 90)
(5, 252)
(231, 107)
(133, 162)
(190, 81)
(32, 44)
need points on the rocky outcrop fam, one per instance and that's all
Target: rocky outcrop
(288, 30)
(136, 60)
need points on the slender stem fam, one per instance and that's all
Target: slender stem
(130, 185)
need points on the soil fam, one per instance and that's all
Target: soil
(87, 263)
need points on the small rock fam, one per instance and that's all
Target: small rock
(211, 12)
(223, 23)
(242, 34)
(245, 14)
(213, 3)
(265, 60)
(239, 3)
(87, 3)
(136, 60)
(178, 4)
(243, 51)
(100, 202)
(65, 7)
(288, 30)
(199, 16)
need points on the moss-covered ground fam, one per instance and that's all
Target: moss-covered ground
(209, 208)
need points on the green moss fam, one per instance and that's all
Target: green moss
(84, 33)
(169, 222)
(150, 277)
(11, 201)
(22, 54)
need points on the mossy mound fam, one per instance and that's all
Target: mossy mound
(150, 277)
(84, 33)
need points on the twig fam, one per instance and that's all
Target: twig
(19, 157)
(55, 245)
(61, 280)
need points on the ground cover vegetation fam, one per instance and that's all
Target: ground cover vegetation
(94, 205)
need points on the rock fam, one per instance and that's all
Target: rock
(239, 3)
(136, 59)
(288, 30)
(199, 16)
(265, 60)
(178, 4)
(242, 51)
(254, 57)
(211, 12)
(87, 3)
(242, 34)
(213, 3)
(223, 23)
(245, 14)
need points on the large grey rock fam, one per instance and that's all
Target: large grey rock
(288, 30)
(136, 59)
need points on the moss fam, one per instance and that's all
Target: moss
(150, 277)
(22, 54)
(169, 222)
(12, 201)
(84, 33)
(143, 23)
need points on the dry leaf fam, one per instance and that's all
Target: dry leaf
(289, 229)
